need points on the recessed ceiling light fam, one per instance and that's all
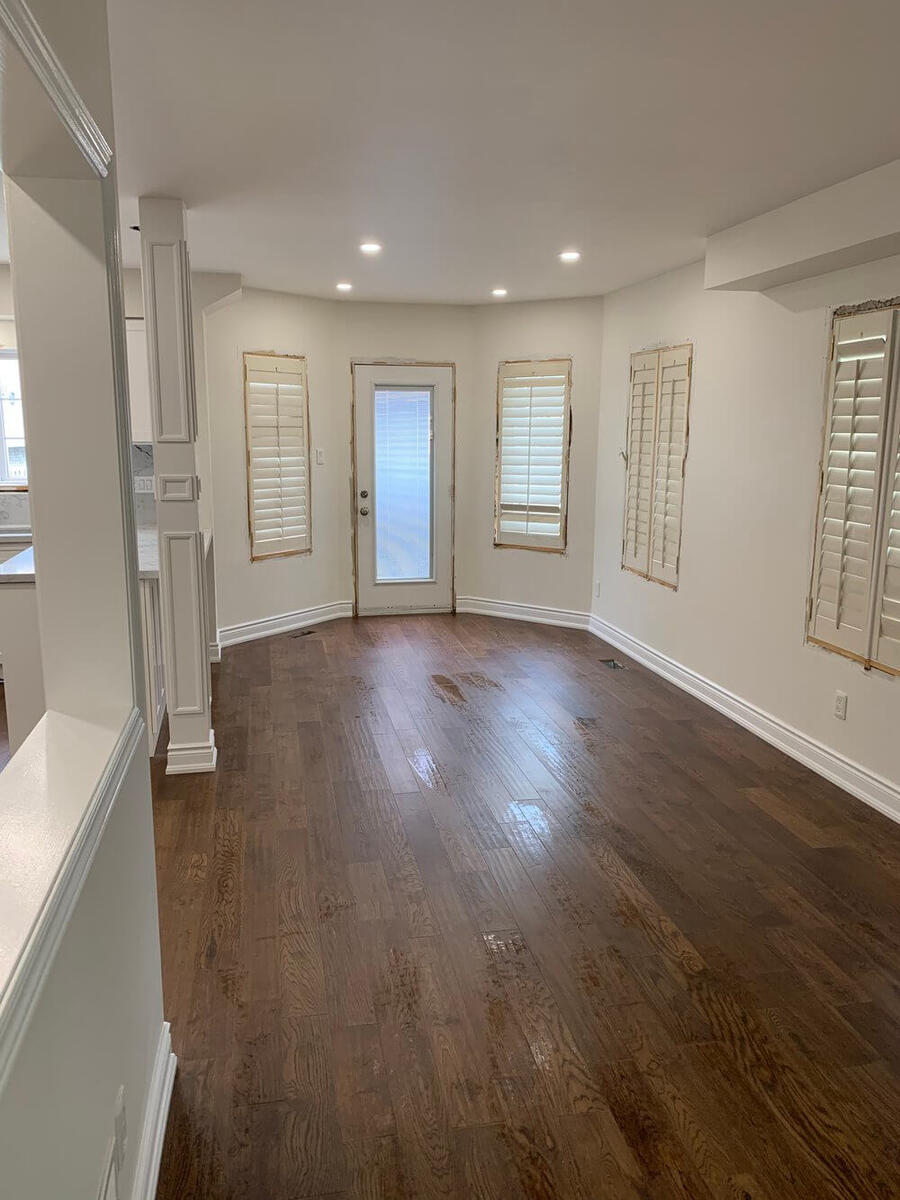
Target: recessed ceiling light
(370, 247)
(499, 292)
(570, 256)
(345, 287)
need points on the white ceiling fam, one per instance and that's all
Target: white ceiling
(478, 138)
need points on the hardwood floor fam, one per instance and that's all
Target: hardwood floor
(466, 913)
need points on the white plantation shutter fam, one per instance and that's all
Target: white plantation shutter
(852, 497)
(277, 454)
(887, 644)
(532, 454)
(668, 462)
(654, 476)
(639, 468)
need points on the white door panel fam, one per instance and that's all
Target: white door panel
(404, 483)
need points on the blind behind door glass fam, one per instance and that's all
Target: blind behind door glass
(403, 484)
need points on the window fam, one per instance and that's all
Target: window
(855, 594)
(277, 415)
(533, 435)
(13, 468)
(657, 443)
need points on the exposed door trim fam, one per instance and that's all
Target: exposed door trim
(354, 532)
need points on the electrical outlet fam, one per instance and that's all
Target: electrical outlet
(840, 705)
(320, 458)
(121, 1130)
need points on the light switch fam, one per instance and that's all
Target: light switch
(320, 458)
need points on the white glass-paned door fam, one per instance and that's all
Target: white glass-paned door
(403, 437)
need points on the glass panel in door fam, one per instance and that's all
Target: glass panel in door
(403, 426)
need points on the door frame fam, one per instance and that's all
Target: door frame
(354, 523)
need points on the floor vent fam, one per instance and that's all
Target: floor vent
(613, 664)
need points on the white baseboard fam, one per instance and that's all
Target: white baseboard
(873, 789)
(189, 758)
(162, 1077)
(566, 617)
(248, 631)
(215, 652)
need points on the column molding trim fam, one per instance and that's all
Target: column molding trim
(179, 705)
(188, 758)
(164, 432)
(23, 28)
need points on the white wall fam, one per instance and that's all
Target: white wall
(290, 325)
(331, 334)
(96, 1025)
(757, 407)
(552, 329)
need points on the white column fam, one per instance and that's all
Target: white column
(79, 479)
(170, 348)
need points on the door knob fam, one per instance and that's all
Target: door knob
(363, 512)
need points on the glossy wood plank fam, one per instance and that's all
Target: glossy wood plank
(463, 913)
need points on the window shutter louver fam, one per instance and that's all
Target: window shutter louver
(639, 468)
(850, 499)
(887, 646)
(277, 416)
(532, 454)
(657, 440)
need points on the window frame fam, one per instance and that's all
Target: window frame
(300, 550)
(7, 485)
(525, 541)
(659, 351)
(886, 454)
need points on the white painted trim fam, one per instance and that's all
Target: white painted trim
(158, 722)
(875, 790)
(19, 21)
(215, 652)
(176, 488)
(189, 758)
(172, 406)
(112, 251)
(569, 618)
(186, 688)
(20, 994)
(249, 631)
(156, 1113)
